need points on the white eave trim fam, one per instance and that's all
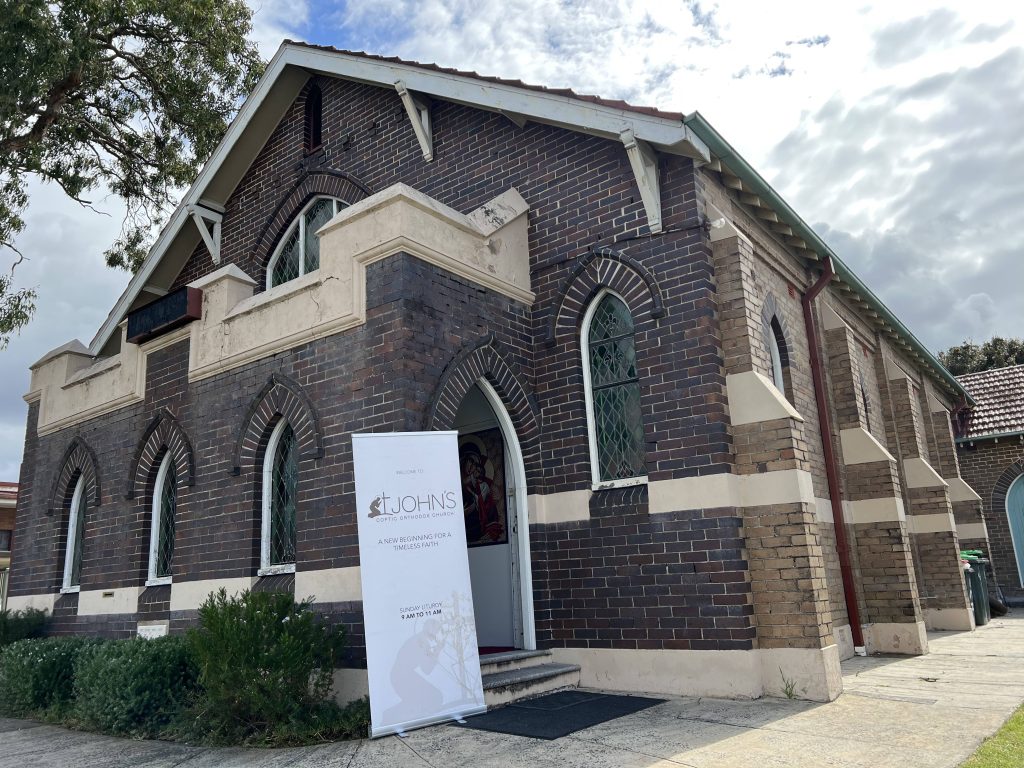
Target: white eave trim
(663, 134)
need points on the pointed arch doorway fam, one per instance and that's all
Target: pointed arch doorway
(497, 524)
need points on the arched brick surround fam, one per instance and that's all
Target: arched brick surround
(483, 360)
(322, 181)
(79, 458)
(163, 433)
(280, 398)
(605, 268)
(770, 311)
(1002, 486)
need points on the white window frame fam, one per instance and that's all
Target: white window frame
(596, 483)
(71, 537)
(266, 569)
(156, 517)
(778, 377)
(300, 222)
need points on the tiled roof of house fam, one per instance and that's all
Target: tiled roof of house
(614, 103)
(8, 491)
(1000, 401)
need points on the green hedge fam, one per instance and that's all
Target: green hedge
(257, 670)
(38, 675)
(20, 625)
(265, 668)
(134, 687)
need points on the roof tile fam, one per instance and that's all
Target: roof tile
(1000, 401)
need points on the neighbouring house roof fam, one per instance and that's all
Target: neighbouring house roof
(999, 403)
(667, 132)
(8, 493)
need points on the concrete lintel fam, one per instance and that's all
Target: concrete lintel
(921, 474)
(644, 162)
(753, 398)
(910, 638)
(861, 447)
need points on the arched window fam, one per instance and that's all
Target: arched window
(612, 388)
(280, 481)
(779, 355)
(865, 403)
(161, 534)
(314, 118)
(299, 251)
(73, 541)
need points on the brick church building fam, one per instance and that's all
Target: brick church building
(724, 464)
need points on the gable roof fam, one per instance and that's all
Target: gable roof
(668, 132)
(999, 398)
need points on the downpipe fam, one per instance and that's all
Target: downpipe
(831, 472)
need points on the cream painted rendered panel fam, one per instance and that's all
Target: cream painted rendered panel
(830, 319)
(884, 510)
(823, 511)
(726, 674)
(959, 490)
(910, 638)
(330, 585)
(812, 674)
(920, 474)
(349, 685)
(98, 602)
(189, 595)
(40, 602)
(860, 447)
(843, 636)
(564, 507)
(784, 486)
(753, 398)
(934, 523)
(971, 531)
(949, 619)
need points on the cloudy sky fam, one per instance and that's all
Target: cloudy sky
(895, 129)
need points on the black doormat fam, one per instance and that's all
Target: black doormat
(558, 714)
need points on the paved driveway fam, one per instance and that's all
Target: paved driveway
(930, 711)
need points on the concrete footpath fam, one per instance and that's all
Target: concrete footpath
(930, 711)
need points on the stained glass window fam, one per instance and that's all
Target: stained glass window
(165, 508)
(299, 251)
(615, 391)
(76, 531)
(285, 476)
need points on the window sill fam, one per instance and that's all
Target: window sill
(608, 485)
(70, 590)
(160, 581)
(276, 570)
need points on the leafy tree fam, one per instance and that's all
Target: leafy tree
(969, 357)
(126, 95)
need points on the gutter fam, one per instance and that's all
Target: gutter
(992, 436)
(727, 154)
(831, 471)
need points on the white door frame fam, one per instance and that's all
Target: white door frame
(522, 574)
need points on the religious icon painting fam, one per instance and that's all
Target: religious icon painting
(482, 465)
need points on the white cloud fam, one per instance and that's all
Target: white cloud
(897, 124)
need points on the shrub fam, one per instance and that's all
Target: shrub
(265, 666)
(19, 625)
(134, 687)
(36, 675)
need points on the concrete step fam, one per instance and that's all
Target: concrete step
(506, 660)
(515, 684)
